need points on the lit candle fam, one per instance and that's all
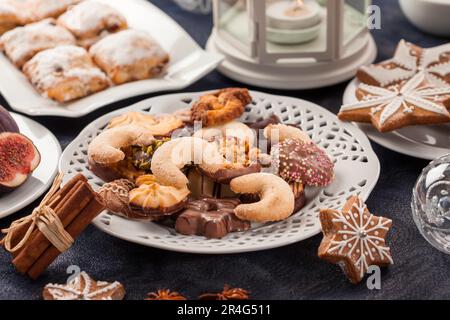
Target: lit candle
(293, 15)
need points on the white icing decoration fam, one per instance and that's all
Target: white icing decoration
(404, 57)
(410, 65)
(362, 237)
(391, 100)
(75, 291)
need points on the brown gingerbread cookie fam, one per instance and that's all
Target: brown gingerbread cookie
(413, 102)
(83, 287)
(354, 238)
(409, 60)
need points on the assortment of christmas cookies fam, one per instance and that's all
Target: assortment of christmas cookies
(210, 181)
(412, 88)
(69, 49)
(205, 182)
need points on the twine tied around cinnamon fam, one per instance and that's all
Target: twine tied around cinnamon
(46, 220)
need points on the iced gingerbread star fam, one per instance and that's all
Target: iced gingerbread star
(413, 102)
(408, 61)
(83, 287)
(354, 239)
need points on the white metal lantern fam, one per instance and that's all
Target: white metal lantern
(292, 44)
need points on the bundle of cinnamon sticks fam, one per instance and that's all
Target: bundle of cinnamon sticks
(76, 204)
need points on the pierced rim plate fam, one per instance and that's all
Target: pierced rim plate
(424, 142)
(189, 62)
(356, 165)
(43, 176)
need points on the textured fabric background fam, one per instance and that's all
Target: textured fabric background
(292, 272)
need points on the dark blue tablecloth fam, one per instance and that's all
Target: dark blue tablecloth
(291, 272)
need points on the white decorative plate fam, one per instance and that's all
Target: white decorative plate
(43, 176)
(188, 64)
(357, 171)
(425, 142)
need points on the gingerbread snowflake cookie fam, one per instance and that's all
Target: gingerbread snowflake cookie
(83, 287)
(408, 61)
(354, 239)
(413, 102)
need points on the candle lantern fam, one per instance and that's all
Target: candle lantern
(292, 44)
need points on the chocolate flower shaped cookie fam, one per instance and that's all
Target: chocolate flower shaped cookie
(354, 239)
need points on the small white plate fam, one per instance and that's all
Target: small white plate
(43, 176)
(424, 142)
(188, 64)
(356, 166)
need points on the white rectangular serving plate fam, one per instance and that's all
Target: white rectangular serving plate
(188, 63)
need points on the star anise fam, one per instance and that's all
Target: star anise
(164, 295)
(228, 293)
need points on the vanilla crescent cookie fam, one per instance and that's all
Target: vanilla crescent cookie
(65, 73)
(129, 55)
(281, 132)
(171, 157)
(22, 43)
(276, 202)
(106, 147)
(91, 21)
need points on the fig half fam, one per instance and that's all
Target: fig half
(18, 159)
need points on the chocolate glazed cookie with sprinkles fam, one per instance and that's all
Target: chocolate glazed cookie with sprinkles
(302, 163)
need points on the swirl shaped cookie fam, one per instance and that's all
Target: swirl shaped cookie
(155, 200)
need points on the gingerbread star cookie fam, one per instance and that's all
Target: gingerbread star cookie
(413, 102)
(354, 239)
(408, 61)
(83, 287)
